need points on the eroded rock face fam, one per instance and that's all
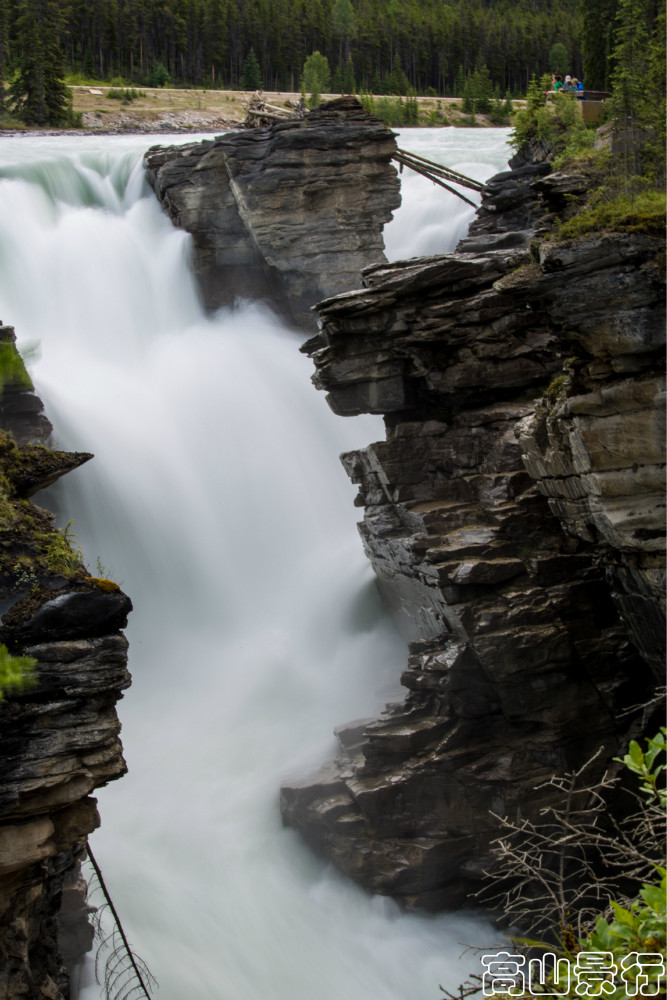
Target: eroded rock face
(514, 518)
(287, 214)
(59, 740)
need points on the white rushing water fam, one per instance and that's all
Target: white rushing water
(217, 500)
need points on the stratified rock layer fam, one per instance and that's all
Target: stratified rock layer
(515, 520)
(59, 740)
(288, 214)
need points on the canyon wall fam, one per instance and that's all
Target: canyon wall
(59, 738)
(286, 214)
(515, 519)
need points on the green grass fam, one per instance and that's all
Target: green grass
(16, 672)
(639, 213)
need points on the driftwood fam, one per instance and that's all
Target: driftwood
(260, 112)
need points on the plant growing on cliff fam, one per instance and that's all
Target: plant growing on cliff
(60, 553)
(12, 368)
(579, 855)
(16, 672)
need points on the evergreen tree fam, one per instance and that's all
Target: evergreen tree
(559, 59)
(598, 42)
(251, 74)
(4, 34)
(338, 81)
(349, 84)
(316, 76)
(39, 94)
(342, 17)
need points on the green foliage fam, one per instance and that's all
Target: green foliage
(159, 76)
(342, 18)
(636, 213)
(559, 61)
(16, 672)
(125, 94)
(38, 92)
(59, 552)
(624, 931)
(251, 74)
(556, 121)
(638, 85)
(397, 113)
(205, 42)
(349, 85)
(478, 92)
(12, 368)
(396, 82)
(598, 42)
(644, 765)
(316, 76)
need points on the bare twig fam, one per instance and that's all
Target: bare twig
(123, 973)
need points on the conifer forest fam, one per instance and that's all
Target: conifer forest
(426, 45)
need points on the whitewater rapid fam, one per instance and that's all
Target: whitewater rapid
(217, 501)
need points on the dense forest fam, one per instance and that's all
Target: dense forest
(428, 45)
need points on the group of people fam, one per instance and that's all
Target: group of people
(569, 83)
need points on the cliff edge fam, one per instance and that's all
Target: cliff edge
(59, 735)
(286, 214)
(515, 520)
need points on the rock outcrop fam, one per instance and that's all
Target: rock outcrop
(287, 214)
(515, 520)
(59, 738)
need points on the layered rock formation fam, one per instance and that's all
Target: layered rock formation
(59, 738)
(515, 520)
(287, 214)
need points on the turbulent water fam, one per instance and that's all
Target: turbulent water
(217, 501)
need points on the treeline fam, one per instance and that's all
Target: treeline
(428, 45)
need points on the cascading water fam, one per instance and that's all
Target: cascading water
(217, 501)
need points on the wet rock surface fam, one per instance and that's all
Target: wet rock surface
(59, 738)
(515, 519)
(287, 214)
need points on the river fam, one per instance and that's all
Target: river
(217, 501)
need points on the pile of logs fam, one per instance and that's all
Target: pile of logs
(258, 112)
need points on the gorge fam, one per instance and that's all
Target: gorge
(215, 499)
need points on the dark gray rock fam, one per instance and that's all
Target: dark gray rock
(287, 214)
(515, 520)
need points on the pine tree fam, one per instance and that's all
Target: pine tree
(559, 59)
(39, 94)
(316, 77)
(4, 34)
(251, 74)
(598, 41)
(343, 20)
(349, 83)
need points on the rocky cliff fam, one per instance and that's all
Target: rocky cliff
(287, 214)
(59, 738)
(515, 519)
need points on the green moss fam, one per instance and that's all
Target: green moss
(16, 672)
(641, 213)
(557, 388)
(12, 368)
(108, 586)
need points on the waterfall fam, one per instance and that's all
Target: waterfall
(217, 501)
